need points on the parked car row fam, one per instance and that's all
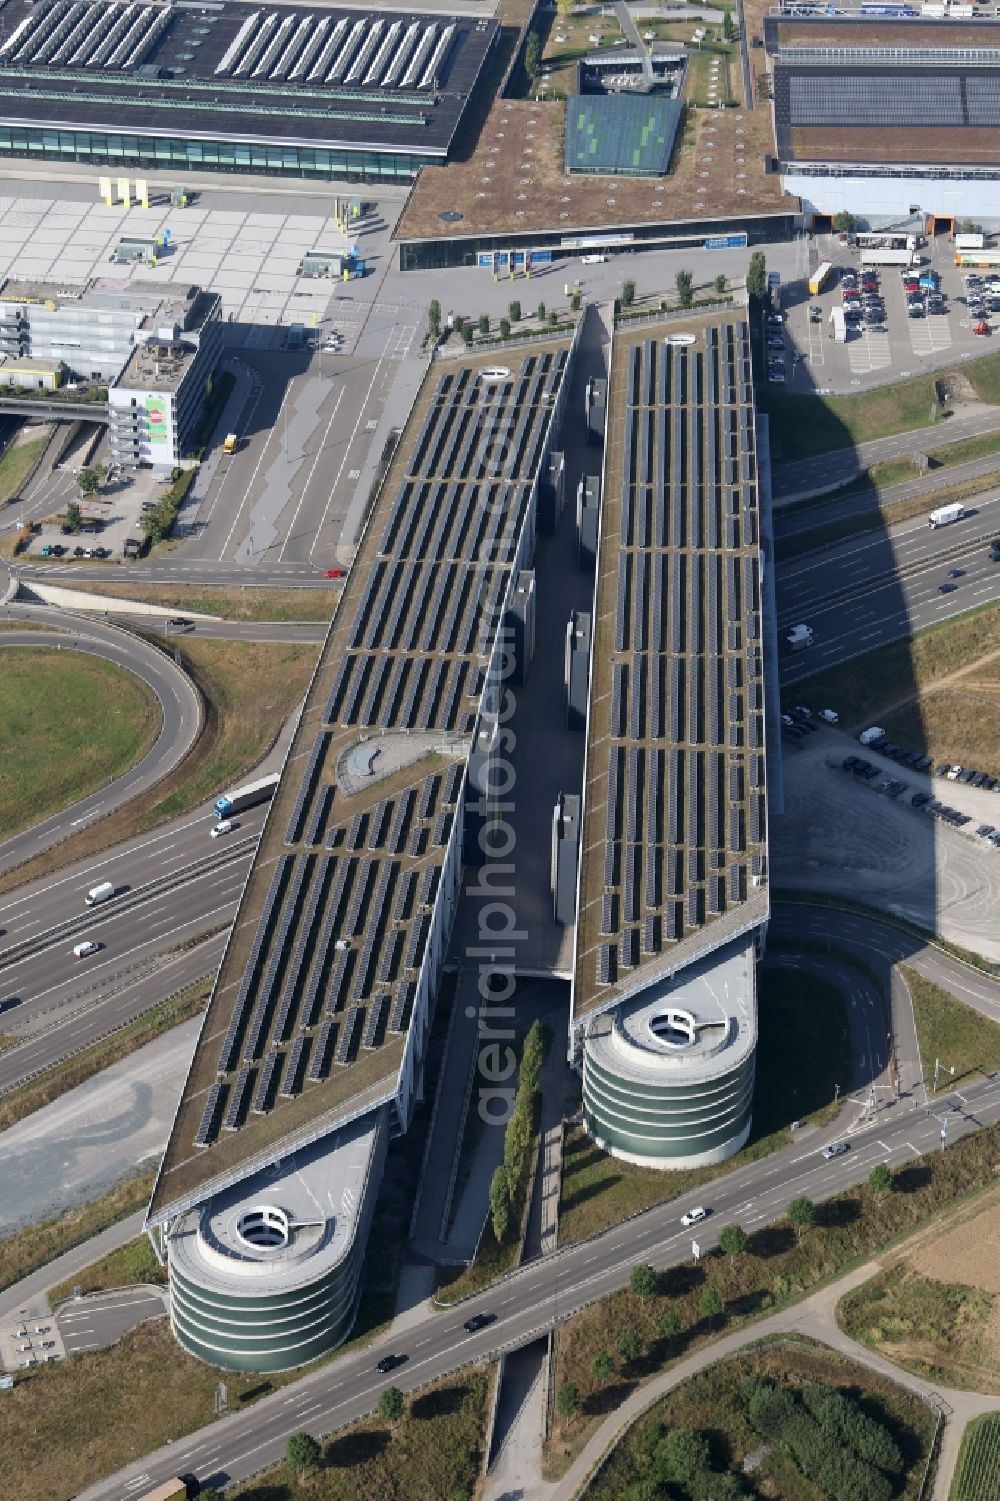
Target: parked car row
(923, 294)
(863, 301)
(775, 339)
(56, 550)
(968, 775)
(887, 747)
(866, 771)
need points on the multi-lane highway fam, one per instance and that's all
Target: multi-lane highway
(877, 588)
(547, 1291)
(180, 704)
(805, 476)
(173, 886)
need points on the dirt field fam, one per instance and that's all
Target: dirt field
(969, 1253)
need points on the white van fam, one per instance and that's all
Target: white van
(85, 949)
(102, 892)
(593, 260)
(494, 375)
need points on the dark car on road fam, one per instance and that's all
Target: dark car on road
(479, 1321)
(390, 1362)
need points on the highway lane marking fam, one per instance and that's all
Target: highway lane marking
(83, 875)
(127, 954)
(312, 470)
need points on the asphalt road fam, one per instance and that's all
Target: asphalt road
(896, 556)
(546, 1292)
(881, 945)
(791, 519)
(179, 702)
(829, 469)
(97, 1321)
(136, 933)
(848, 624)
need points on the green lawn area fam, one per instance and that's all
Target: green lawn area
(862, 688)
(18, 463)
(249, 689)
(713, 1403)
(129, 1264)
(977, 1475)
(71, 723)
(433, 1453)
(965, 450)
(804, 426)
(801, 1055)
(962, 1038)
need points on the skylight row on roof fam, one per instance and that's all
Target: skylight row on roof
(80, 34)
(375, 53)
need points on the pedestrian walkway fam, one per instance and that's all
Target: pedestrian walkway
(814, 1317)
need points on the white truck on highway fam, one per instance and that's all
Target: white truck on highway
(102, 892)
(945, 515)
(246, 797)
(799, 637)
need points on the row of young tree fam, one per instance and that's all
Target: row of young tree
(829, 1436)
(509, 1178)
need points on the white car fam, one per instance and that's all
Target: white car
(593, 260)
(224, 826)
(693, 1216)
(830, 715)
(85, 949)
(954, 774)
(495, 375)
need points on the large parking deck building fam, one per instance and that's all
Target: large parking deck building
(674, 863)
(318, 1021)
(308, 91)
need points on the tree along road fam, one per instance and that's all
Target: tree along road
(545, 1292)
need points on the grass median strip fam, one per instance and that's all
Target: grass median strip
(243, 604)
(27, 1250)
(72, 723)
(948, 1030)
(880, 517)
(62, 1077)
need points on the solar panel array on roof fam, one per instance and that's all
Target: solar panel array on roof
(324, 973)
(679, 811)
(366, 53)
(872, 98)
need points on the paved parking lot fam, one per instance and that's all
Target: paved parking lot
(839, 834)
(250, 258)
(814, 360)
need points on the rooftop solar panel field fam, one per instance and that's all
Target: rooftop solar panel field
(333, 925)
(674, 835)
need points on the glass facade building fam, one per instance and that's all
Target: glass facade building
(159, 152)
